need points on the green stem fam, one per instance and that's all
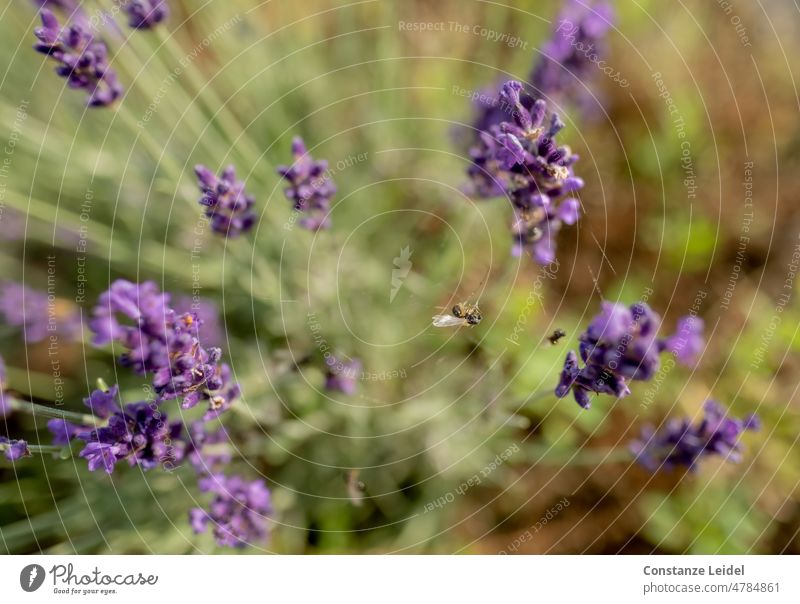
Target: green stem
(37, 448)
(35, 409)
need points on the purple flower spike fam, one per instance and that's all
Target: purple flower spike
(687, 343)
(164, 344)
(310, 187)
(16, 449)
(679, 443)
(620, 344)
(238, 512)
(83, 61)
(569, 57)
(146, 14)
(228, 206)
(343, 376)
(138, 434)
(38, 316)
(518, 157)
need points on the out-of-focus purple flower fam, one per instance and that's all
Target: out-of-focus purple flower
(145, 14)
(569, 57)
(310, 187)
(679, 443)
(39, 316)
(228, 206)
(64, 431)
(342, 375)
(14, 449)
(620, 344)
(201, 447)
(138, 434)
(83, 61)
(521, 159)
(102, 404)
(687, 343)
(238, 512)
(210, 332)
(164, 344)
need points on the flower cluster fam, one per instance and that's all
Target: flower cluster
(138, 433)
(228, 206)
(38, 316)
(14, 449)
(146, 14)
(521, 159)
(238, 511)
(82, 59)
(342, 376)
(621, 344)
(576, 44)
(165, 344)
(680, 443)
(310, 187)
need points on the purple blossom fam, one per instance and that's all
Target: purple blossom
(83, 61)
(38, 316)
(163, 343)
(570, 56)
(139, 434)
(14, 449)
(310, 187)
(687, 343)
(102, 404)
(620, 344)
(228, 206)
(146, 14)
(238, 512)
(679, 443)
(521, 159)
(342, 375)
(210, 332)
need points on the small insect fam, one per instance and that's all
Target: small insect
(556, 336)
(355, 488)
(463, 313)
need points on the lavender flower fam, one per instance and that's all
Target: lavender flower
(14, 449)
(680, 443)
(577, 43)
(146, 14)
(342, 376)
(228, 206)
(39, 316)
(620, 344)
(210, 331)
(83, 61)
(164, 344)
(238, 511)
(687, 343)
(139, 434)
(310, 187)
(521, 159)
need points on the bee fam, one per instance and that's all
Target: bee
(463, 313)
(556, 336)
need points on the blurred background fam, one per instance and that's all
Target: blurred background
(450, 442)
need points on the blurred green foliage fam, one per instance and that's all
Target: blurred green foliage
(254, 74)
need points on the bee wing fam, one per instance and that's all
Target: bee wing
(446, 321)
